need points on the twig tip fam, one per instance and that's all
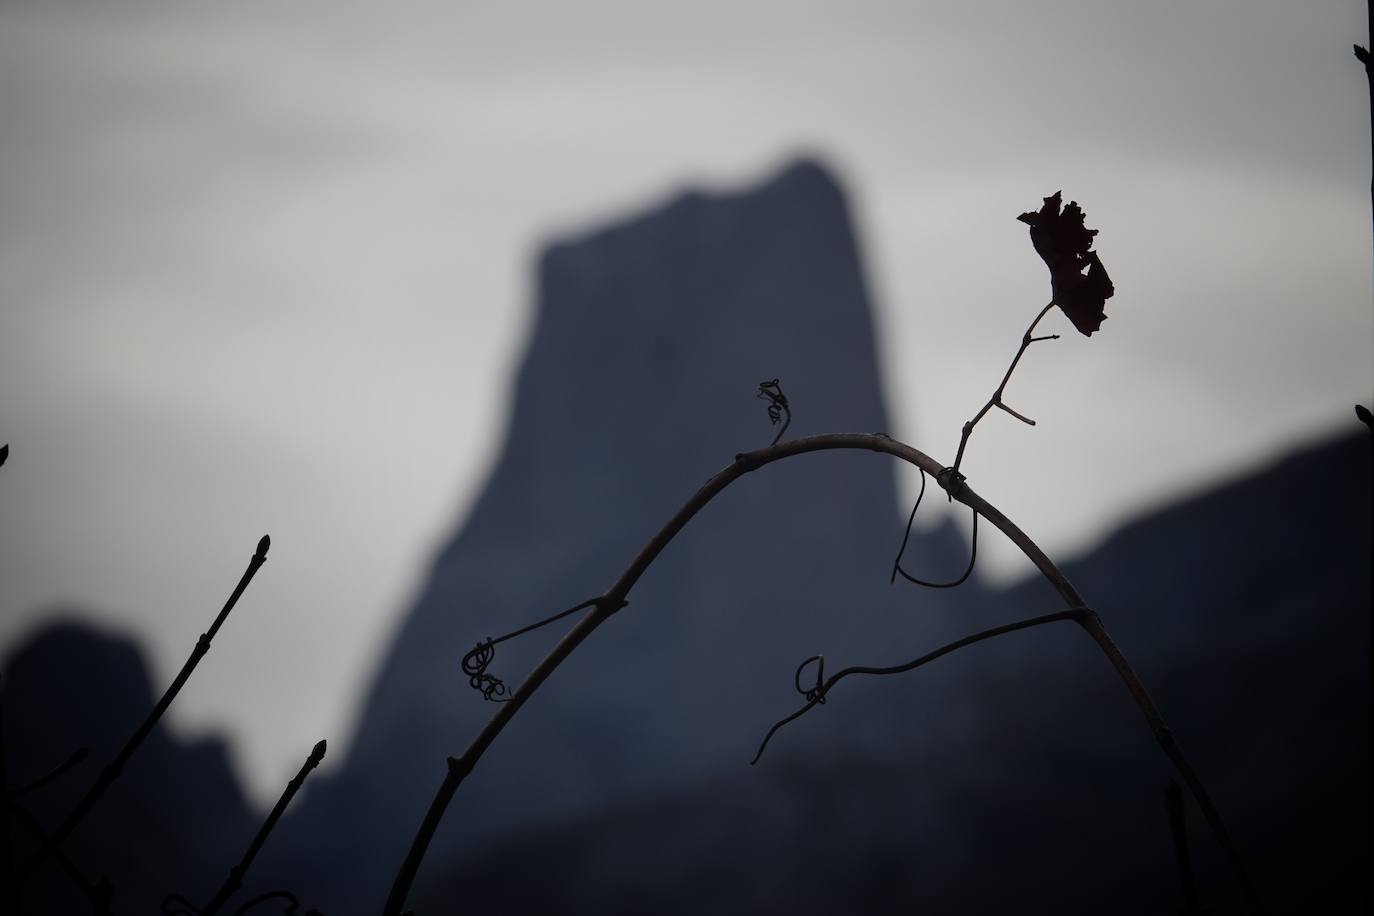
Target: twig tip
(263, 546)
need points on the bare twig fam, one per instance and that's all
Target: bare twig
(288, 898)
(1178, 828)
(4, 453)
(76, 757)
(112, 771)
(996, 400)
(460, 767)
(235, 880)
(816, 695)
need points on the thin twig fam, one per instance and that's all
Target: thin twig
(996, 400)
(76, 757)
(460, 767)
(1178, 828)
(815, 696)
(897, 563)
(112, 771)
(235, 879)
(292, 904)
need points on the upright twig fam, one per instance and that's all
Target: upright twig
(996, 400)
(112, 771)
(235, 879)
(1178, 828)
(615, 598)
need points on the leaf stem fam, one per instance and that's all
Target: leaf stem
(996, 400)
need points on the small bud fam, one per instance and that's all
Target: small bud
(263, 545)
(1365, 416)
(317, 753)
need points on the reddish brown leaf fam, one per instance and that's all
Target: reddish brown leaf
(1078, 281)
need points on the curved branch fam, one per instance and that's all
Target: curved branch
(615, 598)
(815, 696)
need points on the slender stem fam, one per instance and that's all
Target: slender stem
(996, 400)
(817, 695)
(615, 598)
(76, 757)
(112, 771)
(1178, 828)
(235, 879)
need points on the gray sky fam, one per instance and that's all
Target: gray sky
(266, 268)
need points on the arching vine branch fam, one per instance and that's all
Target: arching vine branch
(615, 597)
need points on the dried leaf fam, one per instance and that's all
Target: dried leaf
(1078, 281)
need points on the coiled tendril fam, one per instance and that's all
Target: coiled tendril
(778, 409)
(475, 667)
(475, 662)
(813, 694)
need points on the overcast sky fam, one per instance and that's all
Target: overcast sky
(266, 268)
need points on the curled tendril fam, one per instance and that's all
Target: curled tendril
(813, 694)
(952, 481)
(290, 899)
(475, 665)
(778, 409)
(479, 657)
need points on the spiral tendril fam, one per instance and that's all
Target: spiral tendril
(779, 411)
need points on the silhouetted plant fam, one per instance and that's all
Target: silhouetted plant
(177, 905)
(1178, 829)
(52, 843)
(1080, 287)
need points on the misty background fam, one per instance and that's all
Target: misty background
(266, 269)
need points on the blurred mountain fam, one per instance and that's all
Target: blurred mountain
(174, 822)
(1017, 775)
(638, 383)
